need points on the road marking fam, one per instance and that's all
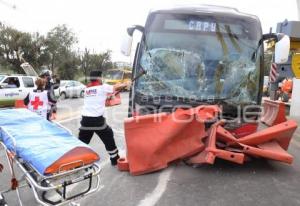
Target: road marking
(152, 198)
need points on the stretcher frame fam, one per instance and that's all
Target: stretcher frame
(57, 183)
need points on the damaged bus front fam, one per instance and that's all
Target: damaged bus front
(195, 56)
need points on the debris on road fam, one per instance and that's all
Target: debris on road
(274, 112)
(196, 135)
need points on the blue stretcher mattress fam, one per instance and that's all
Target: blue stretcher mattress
(34, 139)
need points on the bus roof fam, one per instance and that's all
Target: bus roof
(204, 9)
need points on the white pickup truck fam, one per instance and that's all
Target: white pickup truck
(14, 87)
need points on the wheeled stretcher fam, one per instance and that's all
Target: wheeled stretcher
(56, 166)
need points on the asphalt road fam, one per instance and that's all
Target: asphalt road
(258, 182)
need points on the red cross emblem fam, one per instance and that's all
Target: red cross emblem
(36, 103)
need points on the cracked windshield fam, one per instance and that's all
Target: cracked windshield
(200, 58)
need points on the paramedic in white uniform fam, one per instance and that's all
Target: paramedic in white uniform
(92, 114)
(38, 100)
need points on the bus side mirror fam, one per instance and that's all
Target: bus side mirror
(126, 45)
(282, 49)
(127, 40)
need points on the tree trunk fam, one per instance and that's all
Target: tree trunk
(52, 64)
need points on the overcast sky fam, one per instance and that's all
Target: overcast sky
(100, 24)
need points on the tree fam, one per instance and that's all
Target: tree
(59, 43)
(35, 52)
(101, 61)
(12, 44)
(54, 51)
(85, 61)
(68, 68)
(17, 47)
(104, 61)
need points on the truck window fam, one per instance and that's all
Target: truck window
(28, 82)
(12, 82)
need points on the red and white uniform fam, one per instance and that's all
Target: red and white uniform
(94, 99)
(39, 103)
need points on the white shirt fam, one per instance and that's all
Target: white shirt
(38, 103)
(94, 100)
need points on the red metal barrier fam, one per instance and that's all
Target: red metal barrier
(274, 112)
(225, 136)
(211, 152)
(206, 113)
(244, 130)
(207, 155)
(282, 133)
(20, 104)
(113, 100)
(270, 150)
(153, 141)
(123, 164)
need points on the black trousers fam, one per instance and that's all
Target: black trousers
(91, 125)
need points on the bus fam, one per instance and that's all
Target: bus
(199, 55)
